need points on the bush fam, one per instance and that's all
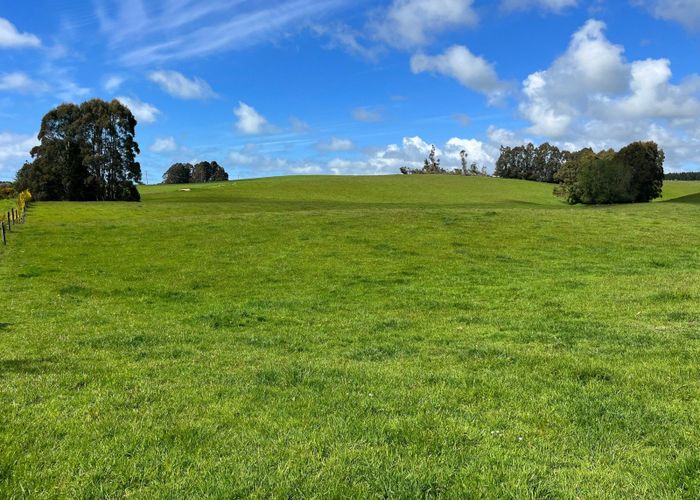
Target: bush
(635, 174)
(7, 191)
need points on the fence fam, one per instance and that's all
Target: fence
(15, 216)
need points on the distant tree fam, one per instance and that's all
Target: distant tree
(86, 153)
(682, 176)
(7, 190)
(208, 172)
(185, 173)
(530, 163)
(178, 173)
(463, 155)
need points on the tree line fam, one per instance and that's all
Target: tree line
(186, 173)
(683, 176)
(87, 152)
(633, 174)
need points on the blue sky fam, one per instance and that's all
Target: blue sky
(356, 86)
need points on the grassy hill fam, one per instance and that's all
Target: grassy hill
(365, 336)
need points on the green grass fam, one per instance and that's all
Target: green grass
(334, 337)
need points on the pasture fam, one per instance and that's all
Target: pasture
(359, 337)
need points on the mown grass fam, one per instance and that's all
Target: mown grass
(333, 337)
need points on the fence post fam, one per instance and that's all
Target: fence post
(4, 238)
(9, 222)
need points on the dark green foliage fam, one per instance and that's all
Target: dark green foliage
(634, 174)
(7, 190)
(87, 153)
(646, 163)
(682, 176)
(208, 172)
(530, 163)
(179, 173)
(184, 173)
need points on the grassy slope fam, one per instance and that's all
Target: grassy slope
(352, 336)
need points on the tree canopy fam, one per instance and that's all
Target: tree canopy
(530, 163)
(185, 173)
(632, 175)
(87, 152)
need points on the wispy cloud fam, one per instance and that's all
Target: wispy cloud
(366, 115)
(21, 83)
(160, 31)
(178, 85)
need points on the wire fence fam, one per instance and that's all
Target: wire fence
(14, 216)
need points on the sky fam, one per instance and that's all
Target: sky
(347, 87)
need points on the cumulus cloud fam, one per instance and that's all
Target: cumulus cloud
(411, 23)
(366, 115)
(592, 66)
(21, 83)
(164, 145)
(14, 150)
(472, 71)
(249, 120)
(336, 144)
(477, 151)
(553, 5)
(10, 36)
(178, 85)
(144, 112)
(592, 96)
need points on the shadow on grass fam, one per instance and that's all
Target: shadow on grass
(693, 199)
(25, 366)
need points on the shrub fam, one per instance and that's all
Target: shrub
(635, 174)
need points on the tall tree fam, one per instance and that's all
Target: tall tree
(86, 153)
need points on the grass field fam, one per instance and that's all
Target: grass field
(352, 337)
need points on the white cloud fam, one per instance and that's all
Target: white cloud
(178, 85)
(113, 83)
(164, 145)
(554, 5)
(592, 96)
(366, 115)
(163, 30)
(306, 169)
(20, 82)
(472, 71)
(336, 144)
(482, 154)
(685, 12)
(14, 151)
(504, 137)
(345, 37)
(413, 23)
(592, 66)
(246, 156)
(249, 120)
(144, 112)
(10, 37)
